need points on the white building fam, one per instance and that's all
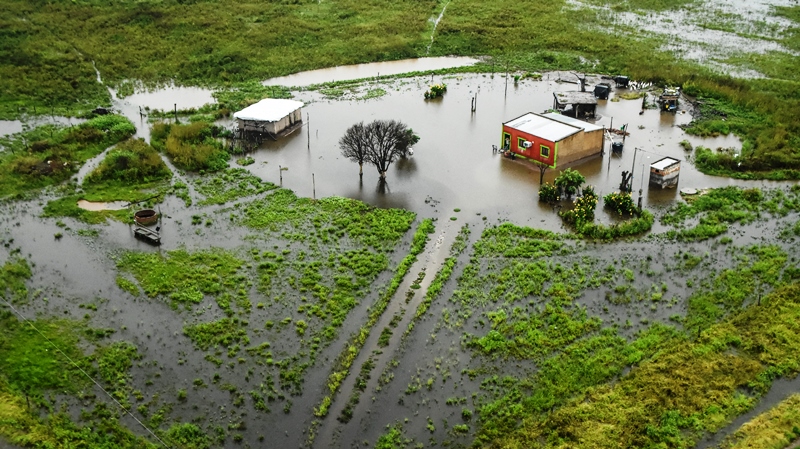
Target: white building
(272, 116)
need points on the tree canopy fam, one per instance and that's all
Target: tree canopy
(379, 143)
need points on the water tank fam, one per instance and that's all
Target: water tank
(616, 147)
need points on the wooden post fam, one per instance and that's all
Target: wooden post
(280, 173)
(313, 186)
(176, 112)
(308, 130)
(506, 92)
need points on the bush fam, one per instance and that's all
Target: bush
(131, 161)
(548, 193)
(569, 181)
(193, 147)
(436, 90)
(621, 203)
(583, 212)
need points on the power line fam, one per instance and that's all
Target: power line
(85, 374)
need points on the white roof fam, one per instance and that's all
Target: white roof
(588, 127)
(269, 110)
(664, 163)
(543, 127)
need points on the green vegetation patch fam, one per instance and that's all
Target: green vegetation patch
(192, 147)
(684, 390)
(715, 210)
(229, 185)
(131, 161)
(225, 332)
(181, 276)
(48, 155)
(776, 428)
(13, 275)
(328, 219)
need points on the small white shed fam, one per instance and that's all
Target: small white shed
(270, 115)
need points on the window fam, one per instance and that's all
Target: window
(545, 151)
(520, 142)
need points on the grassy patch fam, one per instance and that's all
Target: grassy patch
(229, 185)
(49, 155)
(776, 428)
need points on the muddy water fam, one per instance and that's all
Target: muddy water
(371, 70)
(453, 163)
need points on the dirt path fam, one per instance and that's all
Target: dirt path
(333, 433)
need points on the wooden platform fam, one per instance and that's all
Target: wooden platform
(147, 234)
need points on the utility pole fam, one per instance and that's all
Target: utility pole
(641, 186)
(308, 131)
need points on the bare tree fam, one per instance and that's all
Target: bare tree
(542, 168)
(380, 143)
(354, 145)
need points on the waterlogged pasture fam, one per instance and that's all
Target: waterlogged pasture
(541, 337)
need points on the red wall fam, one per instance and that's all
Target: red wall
(534, 152)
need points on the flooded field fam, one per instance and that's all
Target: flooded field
(708, 33)
(267, 382)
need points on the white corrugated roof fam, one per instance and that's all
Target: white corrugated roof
(588, 127)
(269, 110)
(543, 127)
(663, 163)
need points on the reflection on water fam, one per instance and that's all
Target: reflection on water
(371, 70)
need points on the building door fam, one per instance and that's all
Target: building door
(506, 144)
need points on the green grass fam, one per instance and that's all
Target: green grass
(715, 210)
(48, 155)
(685, 389)
(774, 429)
(230, 185)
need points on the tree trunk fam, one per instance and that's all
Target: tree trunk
(361, 169)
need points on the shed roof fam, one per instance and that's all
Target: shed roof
(575, 97)
(543, 127)
(588, 127)
(664, 163)
(269, 110)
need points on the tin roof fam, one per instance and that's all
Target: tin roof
(588, 127)
(269, 110)
(661, 164)
(575, 97)
(543, 127)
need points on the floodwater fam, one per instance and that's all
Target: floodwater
(453, 162)
(8, 127)
(371, 70)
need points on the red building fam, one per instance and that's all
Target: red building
(551, 138)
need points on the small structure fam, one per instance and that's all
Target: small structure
(575, 104)
(669, 99)
(664, 172)
(273, 117)
(551, 138)
(622, 81)
(602, 90)
(145, 217)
